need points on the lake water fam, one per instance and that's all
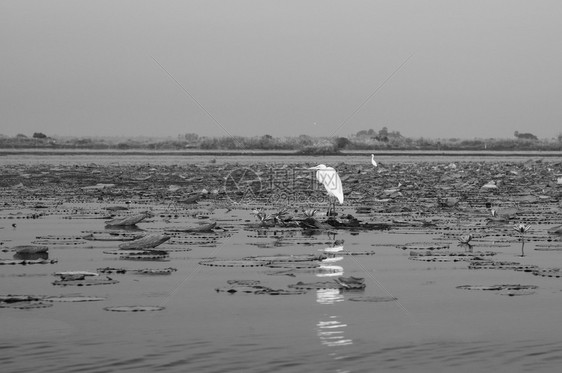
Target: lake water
(431, 325)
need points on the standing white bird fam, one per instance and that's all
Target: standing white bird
(328, 177)
(373, 162)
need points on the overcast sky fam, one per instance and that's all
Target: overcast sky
(438, 68)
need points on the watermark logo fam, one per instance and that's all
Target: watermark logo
(242, 184)
(275, 185)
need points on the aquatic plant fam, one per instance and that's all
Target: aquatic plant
(309, 213)
(268, 219)
(261, 215)
(464, 241)
(522, 229)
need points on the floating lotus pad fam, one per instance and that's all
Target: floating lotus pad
(288, 258)
(12, 298)
(343, 283)
(373, 299)
(555, 230)
(466, 254)
(73, 298)
(481, 287)
(177, 242)
(435, 256)
(141, 255)
(30, 249)
(351, 282)
(243, 282)
(27, 262)
(293, 265)
(439, 258)
(134, 308)
(203, 228)
(177, 249)
(58, 238)
(505, 288)
(111, 237)
(315, 285)
(86, 282)
(550, 272)
(516, 292)
(489, 264)
(25, 305)
(548, 247)
(144, 271)
(127, 221)
(254, 287)
(260, 291)
(147, 242)
(492, 245)
(202, 236)
(87, 216)
(23, 302)
(424, 246)
(74, 275)
(121, 252)
(146, 257)
(234, 263)
(352, 253)
(59, 243)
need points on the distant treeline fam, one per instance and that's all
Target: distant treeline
(364, 140)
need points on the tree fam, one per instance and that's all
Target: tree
(383, 132)
(191, 137)
(525, 136)
(342, 142)
(39, 135)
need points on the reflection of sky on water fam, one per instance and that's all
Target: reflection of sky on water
(335, 249)
(329, 296)
(329, 329)
(328, 269)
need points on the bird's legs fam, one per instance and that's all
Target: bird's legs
(331, 206)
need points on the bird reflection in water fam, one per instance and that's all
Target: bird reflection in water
(327, 267)
(329, 329)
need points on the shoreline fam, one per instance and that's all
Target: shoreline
(414, 153)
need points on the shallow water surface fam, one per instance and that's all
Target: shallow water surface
(409, 317)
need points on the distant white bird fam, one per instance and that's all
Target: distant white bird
(393, 190)
(489, 185)
(328, 177)
(373, 162)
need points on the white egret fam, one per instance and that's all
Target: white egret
(373, 162)
(393, 190)
(328, 177)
